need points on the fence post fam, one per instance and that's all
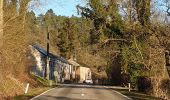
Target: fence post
(26, 89)
(129, 87)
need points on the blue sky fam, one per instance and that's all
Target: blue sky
(60, 7)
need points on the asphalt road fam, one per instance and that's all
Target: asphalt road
(81, 92)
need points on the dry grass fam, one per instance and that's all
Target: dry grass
(137, 96)
(14, 63)
(10, 88)
(32, 93)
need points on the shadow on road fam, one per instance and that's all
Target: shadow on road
(89, 86)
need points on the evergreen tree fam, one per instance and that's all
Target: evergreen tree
(105, 17)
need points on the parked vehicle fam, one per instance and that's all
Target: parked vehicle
(88, 81)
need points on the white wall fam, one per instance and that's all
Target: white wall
(84, 73)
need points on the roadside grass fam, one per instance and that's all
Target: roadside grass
(44, 86)
(136, 95)
(9, 88)
(41, 80)
(32, 93)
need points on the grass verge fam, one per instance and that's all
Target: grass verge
(136, 95)
(32, 93)
(44, 86)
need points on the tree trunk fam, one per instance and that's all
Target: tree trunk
(1, 23)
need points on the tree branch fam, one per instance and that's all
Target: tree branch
(115, 40)
(138, 48)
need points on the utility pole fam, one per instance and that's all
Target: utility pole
(167, 62)
(47, 68)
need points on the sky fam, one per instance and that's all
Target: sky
(60, 7)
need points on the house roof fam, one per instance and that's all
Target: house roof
(73, 62)
(52, 56)
(84, 65)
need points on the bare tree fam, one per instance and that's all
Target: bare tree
(127, 7)
(129, 11)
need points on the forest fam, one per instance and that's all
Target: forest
(122, 41)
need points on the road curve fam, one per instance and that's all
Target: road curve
(87, 92)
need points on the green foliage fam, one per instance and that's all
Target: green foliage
(68, 38)
(143, 11)
(66, 34)
(105, 17)
(41, 80)
(133, 56)
(134, 69)
(49, 18)
(63, 44)
(31, 23)
(130, 54)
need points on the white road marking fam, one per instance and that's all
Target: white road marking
(41, 94)
(82, 94)
(122, 95)
(119, 93)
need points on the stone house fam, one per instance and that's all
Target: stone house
(60, 68)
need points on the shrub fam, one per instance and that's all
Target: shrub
(125, 79)
(144, 84)
(157, 87)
